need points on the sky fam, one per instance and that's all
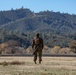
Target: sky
(63, 6)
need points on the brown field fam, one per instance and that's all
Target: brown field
(49, 66)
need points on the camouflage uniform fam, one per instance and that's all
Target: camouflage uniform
(38, 48)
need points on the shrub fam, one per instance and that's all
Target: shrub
(55, 50)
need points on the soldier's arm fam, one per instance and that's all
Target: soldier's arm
(33, 44)
(42, 44)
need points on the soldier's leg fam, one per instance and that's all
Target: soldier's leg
(40, 57)
(35, 58)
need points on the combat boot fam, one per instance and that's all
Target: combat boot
(39, 62)
(35, 62)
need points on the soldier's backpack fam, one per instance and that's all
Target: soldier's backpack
(37, 40)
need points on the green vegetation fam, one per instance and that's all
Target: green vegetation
(20, 25)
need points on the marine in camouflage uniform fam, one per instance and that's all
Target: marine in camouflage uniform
(37, 47)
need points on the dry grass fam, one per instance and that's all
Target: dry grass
(49, 66)
(12, 63)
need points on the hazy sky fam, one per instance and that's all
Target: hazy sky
(66, 6)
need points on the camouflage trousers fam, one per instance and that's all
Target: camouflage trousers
(38, 54)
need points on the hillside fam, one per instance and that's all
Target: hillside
(56, 29)
(12, 15)
(42, 21)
